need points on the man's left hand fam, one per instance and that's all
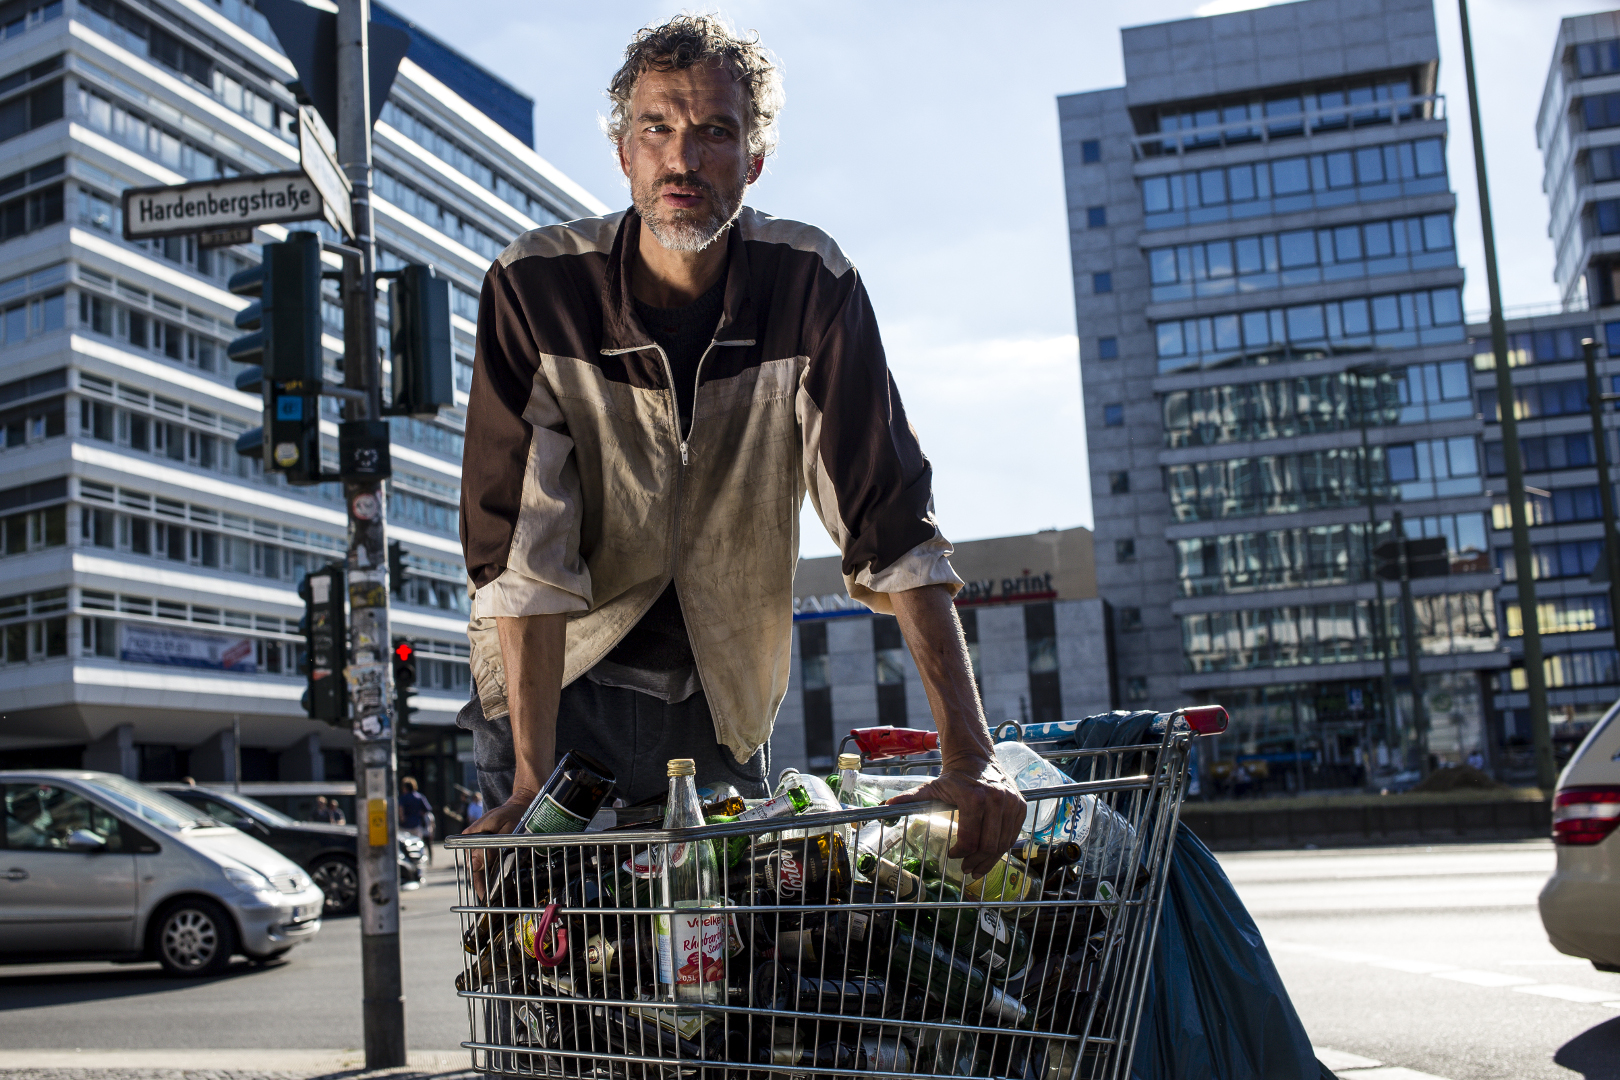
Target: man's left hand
(989, 812)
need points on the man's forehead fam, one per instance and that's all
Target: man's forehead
(705, 89)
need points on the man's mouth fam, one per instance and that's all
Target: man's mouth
(685, 198)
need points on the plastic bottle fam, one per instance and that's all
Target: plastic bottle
(1044, 817)
(692, 941)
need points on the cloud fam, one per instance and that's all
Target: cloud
(1002, 423)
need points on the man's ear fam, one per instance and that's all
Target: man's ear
(624, 163)
(756, 165)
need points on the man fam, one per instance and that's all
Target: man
(654, 394)
(416, 813)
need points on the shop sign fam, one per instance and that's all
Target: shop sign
(1010, 590)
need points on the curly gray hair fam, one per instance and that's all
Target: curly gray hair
(686, 41)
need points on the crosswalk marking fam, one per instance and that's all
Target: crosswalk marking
(1584, 994)
(1388, 1072)
(1483, 978)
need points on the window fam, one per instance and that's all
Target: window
(1041, 646)
(1124, 551)
(24, 112)
(1598, 58)
(889, 670)
(99, 637)
(1090, 151)
(1136, 689)
(1108, 348)
(1130, 618)
(1096, 217)
(1113, 415)
(1102, 282)
(1601, 111)
(818, 717)
(42, 817)
(1119, 483)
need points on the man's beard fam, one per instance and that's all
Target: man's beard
(688, 230)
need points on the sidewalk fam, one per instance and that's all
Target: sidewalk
(225, 1065)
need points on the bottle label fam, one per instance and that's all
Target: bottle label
(547, 815)
(599, 955)
(781, 806)
(990, 960)
(798, 946)
(857, 925)
(991, 922)
(691, 946)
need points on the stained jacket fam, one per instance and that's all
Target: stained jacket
(582, 495)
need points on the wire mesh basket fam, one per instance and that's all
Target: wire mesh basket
(831, 943)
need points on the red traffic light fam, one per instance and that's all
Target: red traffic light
(404, 652)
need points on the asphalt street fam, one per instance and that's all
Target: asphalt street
(1405, 963)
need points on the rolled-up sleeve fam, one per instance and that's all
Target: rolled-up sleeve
(864, 468)
(520, 491)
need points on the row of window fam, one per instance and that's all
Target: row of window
(1321, 479)
(1333, 633)
(322, 544)
(1583, 667)
(32, 317)
(30, 19)
(33, 108)
(31, 530)
(1301, 257)
(1562, 615)
(106, 215)
(147, 137)
(1304, 405)
(1564, 398)
(428, 136)
(1392, 321)
(1370, 174)
(1286, 115)
(27, 213)
(1543, 453)
(1539, 347)
(435, 214)
(1560, 506)
(1314, 555)
(1566, 559)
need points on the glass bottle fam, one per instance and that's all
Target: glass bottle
(849, 781)
(578, 787)
(692, 940)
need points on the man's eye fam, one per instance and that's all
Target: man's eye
(719, 132)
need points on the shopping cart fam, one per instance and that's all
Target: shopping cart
(836, 943)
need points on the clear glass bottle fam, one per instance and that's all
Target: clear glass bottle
(849, 781)
(692, 940)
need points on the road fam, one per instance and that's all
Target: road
(1416, 962)
(1404, 963)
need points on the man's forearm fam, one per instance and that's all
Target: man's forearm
(532, 654)
(934, 634)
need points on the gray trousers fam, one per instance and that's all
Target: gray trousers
(632, 733)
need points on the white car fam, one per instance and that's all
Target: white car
(1580, 904)
(97, 867)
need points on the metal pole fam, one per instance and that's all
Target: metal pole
(1600, 443)
(383, 1006)
(1535, 676)
(236, 750)
(1420, 715)
(1381, 616)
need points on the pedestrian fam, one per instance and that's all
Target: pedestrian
(328, 810)
(475, 807)
(654, 392)
(416, 813)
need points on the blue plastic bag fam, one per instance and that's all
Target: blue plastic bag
(1215, 1007)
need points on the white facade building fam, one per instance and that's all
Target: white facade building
(149, 603)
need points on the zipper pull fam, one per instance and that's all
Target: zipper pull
(683, 452)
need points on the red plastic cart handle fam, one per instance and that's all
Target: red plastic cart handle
(1204, 719)
(876, 743)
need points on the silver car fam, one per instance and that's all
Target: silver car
(1580, 905)
(95, 866)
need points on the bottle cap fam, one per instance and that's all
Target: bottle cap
(682, 766)
(848, 761)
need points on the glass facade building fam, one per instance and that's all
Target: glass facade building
(1280, 363)
(151, 572)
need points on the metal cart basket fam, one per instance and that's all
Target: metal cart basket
(836, 943)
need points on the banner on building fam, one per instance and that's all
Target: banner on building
(147, 644)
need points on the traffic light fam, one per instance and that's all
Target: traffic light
(284, 351)
(325, 644)
(404, 679)
(397, 571)
(419, 342)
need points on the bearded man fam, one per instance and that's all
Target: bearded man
(654, 394)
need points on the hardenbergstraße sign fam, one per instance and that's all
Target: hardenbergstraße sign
(180, 209)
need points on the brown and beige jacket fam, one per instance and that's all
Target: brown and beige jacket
(581, 495)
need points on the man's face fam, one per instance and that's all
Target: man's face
(686, 154)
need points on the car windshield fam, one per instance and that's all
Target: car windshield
(261, 811)
(161, 810)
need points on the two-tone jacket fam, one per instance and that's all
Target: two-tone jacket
(581, 493)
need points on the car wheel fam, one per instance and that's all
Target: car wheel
(339, 879)
(194, 937)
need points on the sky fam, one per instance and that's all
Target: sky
(924, 139)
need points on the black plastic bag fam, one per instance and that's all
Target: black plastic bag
(1215, 1007)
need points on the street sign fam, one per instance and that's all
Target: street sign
(218, 238)
(239, 202)
(315, 155)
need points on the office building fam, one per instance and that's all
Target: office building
(1038, 639)
(151, 611)
(1274, 354)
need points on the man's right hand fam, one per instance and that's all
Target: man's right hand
(504, 818)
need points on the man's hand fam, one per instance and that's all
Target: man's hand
(504, 818)
(989, 812)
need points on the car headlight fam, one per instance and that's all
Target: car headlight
(248, 880)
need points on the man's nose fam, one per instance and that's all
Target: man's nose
(684, 152)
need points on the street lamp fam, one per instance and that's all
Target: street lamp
(1373, 369)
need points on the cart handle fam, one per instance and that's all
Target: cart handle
(1018, 731)
(550, 927)
(1203, 719)
(877, 743)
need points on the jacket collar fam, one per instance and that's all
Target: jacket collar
(622, 329)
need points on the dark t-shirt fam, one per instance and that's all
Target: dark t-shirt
(414, 807)
(659, 642)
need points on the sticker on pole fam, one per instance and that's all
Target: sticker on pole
(239, 202)
(377, 822)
